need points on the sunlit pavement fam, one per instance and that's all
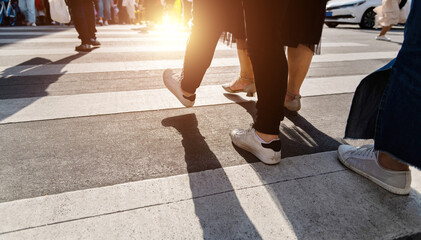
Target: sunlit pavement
(94, 147)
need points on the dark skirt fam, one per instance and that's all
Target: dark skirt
(303, 23)
(235, 24)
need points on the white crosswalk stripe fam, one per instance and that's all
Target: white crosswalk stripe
(55, 107)
(184, 206)
(53, 69)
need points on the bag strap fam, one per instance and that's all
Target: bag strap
(402, 4)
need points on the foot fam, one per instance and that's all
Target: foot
(105, 23)
(269, 153)
(95, 42)
(364, 161)
(241, 85)
(292, 102)
(83, 48)
(383, 38)
(100, 22)
(173, 83)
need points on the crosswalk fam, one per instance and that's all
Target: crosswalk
(94, 147)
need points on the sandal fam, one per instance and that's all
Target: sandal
(250, 88)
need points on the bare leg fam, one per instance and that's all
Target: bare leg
(245, 63)
(390, 163)
(385, 30)
(246, 75)
(299, 60)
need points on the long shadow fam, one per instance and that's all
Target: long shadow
(211, 209)
(12, 35)
(32, 85)
(300, 138)
(322, 206)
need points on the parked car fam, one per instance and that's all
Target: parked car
(355, 12)
(351, 12)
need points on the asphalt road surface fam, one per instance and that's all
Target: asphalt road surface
(94, 147)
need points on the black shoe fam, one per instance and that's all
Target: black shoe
(83, 48)
(95, 42)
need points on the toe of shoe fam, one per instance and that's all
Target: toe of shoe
(168, 72)
(344, 149)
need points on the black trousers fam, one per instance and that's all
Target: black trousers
(209, 21)
(263, 28)
(83, 17)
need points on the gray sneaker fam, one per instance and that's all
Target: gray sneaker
(364, 162)
(269, 153)
(172, 82)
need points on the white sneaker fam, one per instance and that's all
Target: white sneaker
(172, 82)
(269, 153)
(364, 161)
(383, 38)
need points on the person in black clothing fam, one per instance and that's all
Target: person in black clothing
(83, 16)
(267, 33)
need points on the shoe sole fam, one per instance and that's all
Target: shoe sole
(167, 85)
(258, 155)
(83, 50)
(250, 92)
(392, 189)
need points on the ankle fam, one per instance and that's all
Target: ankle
(266, 137)
(187, 94)
(244, 78)
(389, 163)
(291, 96)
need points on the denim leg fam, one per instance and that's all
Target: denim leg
(267, 55)
(31, 11)
(101, 8)
(23, 8)
(107, 9)
(398, 128)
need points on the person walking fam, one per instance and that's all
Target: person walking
(389, 14)
(302, 39)
(387, 108)
(83, 16)
(210, 19)
(267, 34)
(104, 12)
(27, 7)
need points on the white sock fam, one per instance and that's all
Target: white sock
(261, 140)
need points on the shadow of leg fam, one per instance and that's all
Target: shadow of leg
(216, 204)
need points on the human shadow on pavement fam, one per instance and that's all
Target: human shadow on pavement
(19, 33)
(216, 204)
(25, 83)
(298, 136)
(321, 199)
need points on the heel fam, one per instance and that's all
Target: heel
(250, 90)
(295, 104)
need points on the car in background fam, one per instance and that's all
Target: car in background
(351, 12)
